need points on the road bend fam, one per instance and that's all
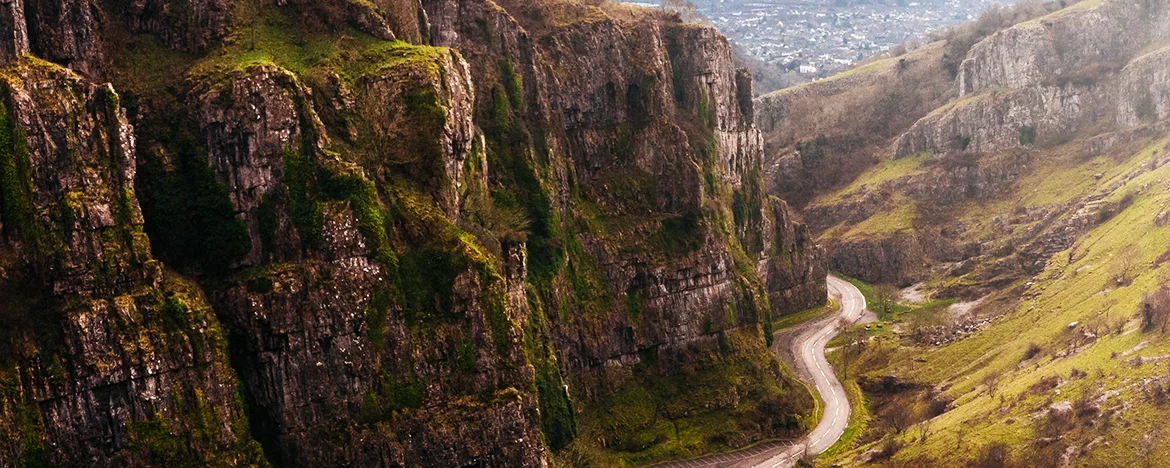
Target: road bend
(808, 348)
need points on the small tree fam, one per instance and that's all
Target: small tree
(991, 381)
(854, 346)
(685, 9)
(899, 418)
(1127, 266)
(885, 297)
(923, 430)
(1155, 310)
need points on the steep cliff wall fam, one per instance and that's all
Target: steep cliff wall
(659, 186)
(455, 254)
(1044, 80)
(108, 359)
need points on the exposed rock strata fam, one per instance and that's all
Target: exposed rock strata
(109, 359)
(417, 255)
(1096, 68)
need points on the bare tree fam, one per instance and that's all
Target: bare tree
(991, 381)
(685, 9)
(1127, 267)
(885, 297)
(1155, 310)
(923, 430)
(853, 347)
(899, 418)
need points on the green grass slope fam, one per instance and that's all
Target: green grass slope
(1071, 338)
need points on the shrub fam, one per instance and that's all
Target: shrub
(960, 143)
(1155, 310)
(1027, 135)
(993, 455)
(1032, 351)
(889, 448)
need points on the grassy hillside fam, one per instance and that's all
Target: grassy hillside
(1041, 337)
(1071, 337)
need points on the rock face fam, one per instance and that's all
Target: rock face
(1095, 68)
(661, 92)
(1067, 45)
(64, 32)
(324, 339)
(418, 255)
(996, 121)
(246, 146)
(108, 359)
(188, 26)
(898, 260)
(1043, 80)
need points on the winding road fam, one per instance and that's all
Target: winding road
(808, 350)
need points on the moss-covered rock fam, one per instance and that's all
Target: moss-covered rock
(99, 339)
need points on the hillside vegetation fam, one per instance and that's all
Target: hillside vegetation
(1029, 203)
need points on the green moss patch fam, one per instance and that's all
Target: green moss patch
(16, 206)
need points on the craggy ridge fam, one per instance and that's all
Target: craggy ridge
(385, 233)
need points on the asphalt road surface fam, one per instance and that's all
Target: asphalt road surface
(808, 348)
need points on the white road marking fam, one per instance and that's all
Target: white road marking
(812, 354)
(830, 428)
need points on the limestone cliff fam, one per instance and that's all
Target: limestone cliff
(1087, 79)
(108, 358)
(436, 233)
(1045, 80)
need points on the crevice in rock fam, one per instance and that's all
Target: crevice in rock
(261, 424)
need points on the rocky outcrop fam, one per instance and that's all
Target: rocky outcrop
(190, 25)
(898, 259)
(1044, 80)
(386, 19)
(14, 41)
(109, 359)
(424, 120)
(1141, 89)
(998, 121)
(65, 32)
(247, 142)
(1069, 45)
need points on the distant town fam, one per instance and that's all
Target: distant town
(814, 39)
